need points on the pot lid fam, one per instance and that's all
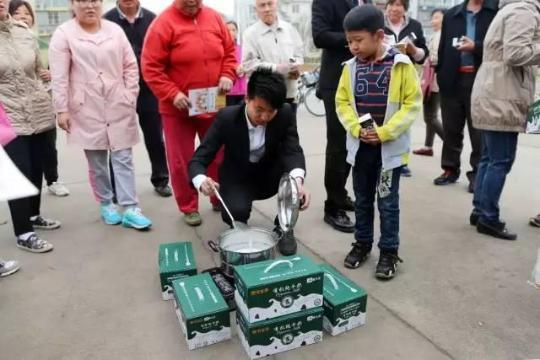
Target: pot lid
(288, 200)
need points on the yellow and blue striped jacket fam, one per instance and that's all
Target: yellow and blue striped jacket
(404, 105)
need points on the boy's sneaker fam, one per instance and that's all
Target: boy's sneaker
(34, 244)
(45, 224)
(358, 254)
(58, 188)
(387, 265)
(133, 218)
(110, 214)
(406, 172)
(8, 267)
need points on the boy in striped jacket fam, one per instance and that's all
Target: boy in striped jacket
(382, 84)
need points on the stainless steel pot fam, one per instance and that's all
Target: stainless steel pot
(244, 246)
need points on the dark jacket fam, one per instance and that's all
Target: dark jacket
(411, 26)
(229, 129)
(136, 33)
(327, 30)
(454, 25)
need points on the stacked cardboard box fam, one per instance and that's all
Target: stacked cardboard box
(175, 261)
(201, 310)
(279, 305)
(344, 302)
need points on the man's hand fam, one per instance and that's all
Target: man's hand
(467, 45)
(369, 136)
(294, 73)
(64, 122)
(225, 84)
(45, 75)
(208, 186)
(181, 101)
(305, 195)
(283, 69)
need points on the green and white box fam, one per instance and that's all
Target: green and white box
(176, 261)
(344, 302)
(269, 289)
(201, 310)
(280, 334)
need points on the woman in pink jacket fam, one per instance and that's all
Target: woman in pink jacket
(95, 83)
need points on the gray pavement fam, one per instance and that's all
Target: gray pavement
(459, 295)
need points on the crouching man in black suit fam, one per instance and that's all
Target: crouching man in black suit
(261, 143)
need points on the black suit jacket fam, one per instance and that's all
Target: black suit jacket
(230, 130)
(136, 33)
(328, 34)
(454, 25)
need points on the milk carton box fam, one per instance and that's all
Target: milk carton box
(280, 334)
(268, 289)
(344, 302)
(201, 310)
(175, 261)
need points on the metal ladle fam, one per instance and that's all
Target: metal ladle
(235, 224)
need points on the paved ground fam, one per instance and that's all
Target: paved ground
(459, 295)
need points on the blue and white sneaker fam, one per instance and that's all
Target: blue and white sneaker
(133, 218)
(110, 214)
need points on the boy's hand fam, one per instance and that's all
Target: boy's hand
(370, 136)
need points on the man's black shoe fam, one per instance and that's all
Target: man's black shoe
(497, 230)
(448, 177)
(287, 243)
(348, 205)
(387, 265)
(358, 254)
(163, 190)
(339, 221)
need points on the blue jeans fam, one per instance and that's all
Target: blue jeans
(366, 182)
(498, 155)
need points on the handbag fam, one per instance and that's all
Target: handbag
(428, 75)
(6, 130)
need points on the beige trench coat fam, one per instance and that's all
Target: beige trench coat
(95, 78)
(505, 85)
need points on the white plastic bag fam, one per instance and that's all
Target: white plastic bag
(535, 276)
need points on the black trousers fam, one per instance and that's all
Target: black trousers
(336, 168)
(152, 129)
(456, 112)
(50, 158)
(26, 152)
(240, 190)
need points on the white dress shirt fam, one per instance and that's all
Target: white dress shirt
(256, 151)
(268, 46)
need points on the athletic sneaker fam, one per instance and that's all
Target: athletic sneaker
(110, 214)
(8, 267)
(34, 244)
(387, 266)
(40, 222)
(58, 188)
(358, 254)
(134, 218)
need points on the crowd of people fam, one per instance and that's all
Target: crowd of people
(111, 73)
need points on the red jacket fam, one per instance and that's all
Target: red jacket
(182, 53)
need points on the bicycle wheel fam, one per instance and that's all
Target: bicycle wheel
(313, 104)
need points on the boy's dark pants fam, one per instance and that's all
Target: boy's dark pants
(366, 177)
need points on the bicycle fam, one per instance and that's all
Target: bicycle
(307, 93)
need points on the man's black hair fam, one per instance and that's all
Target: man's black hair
(405, 3)
(364, 18)
(267, 85)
